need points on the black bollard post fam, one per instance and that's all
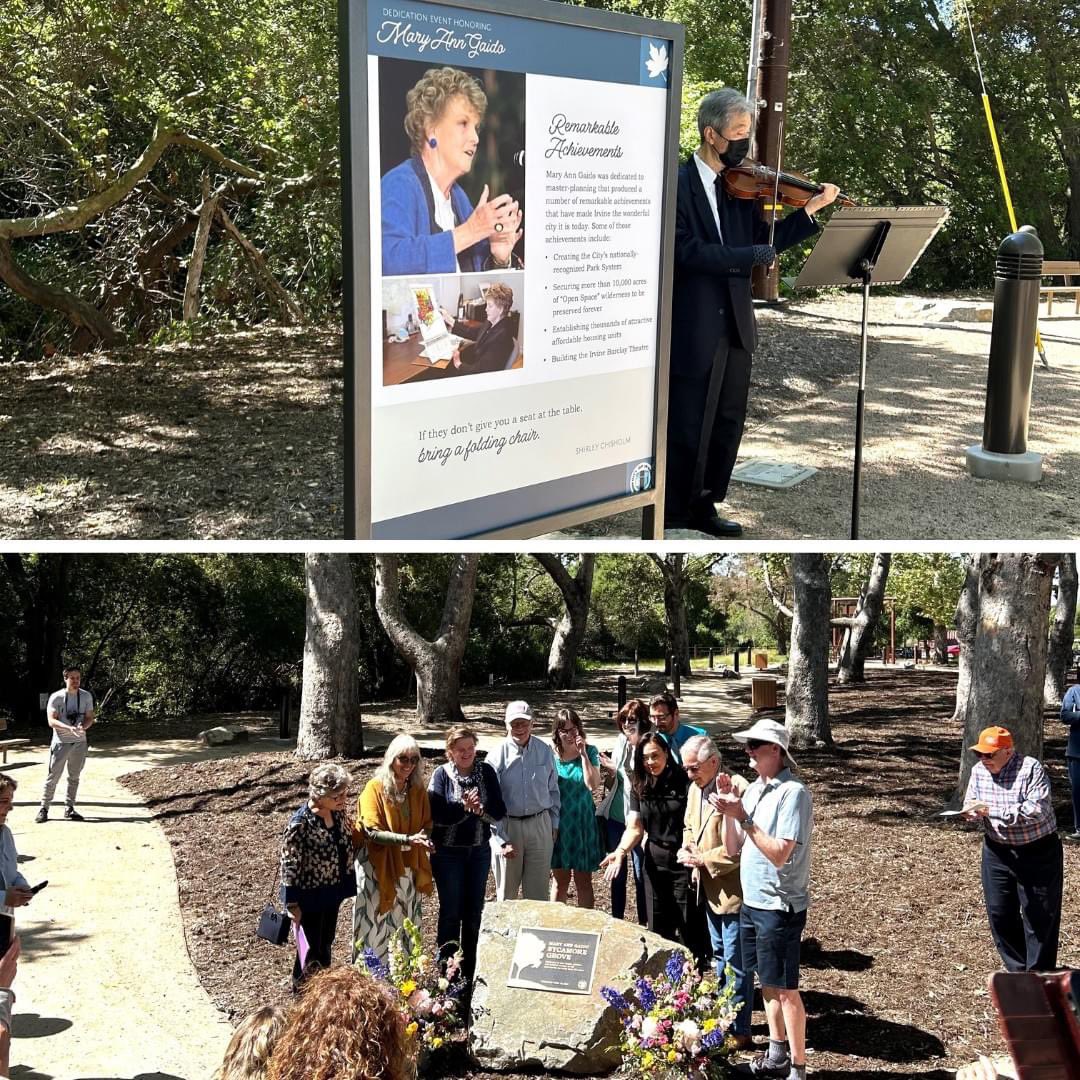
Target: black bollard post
(622, 691)
(712, 658)
(749, 658)
(637, 663)
(676, 682)
(1003, 454)
(286, 708)
(735, 655)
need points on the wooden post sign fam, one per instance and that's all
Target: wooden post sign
(559, 960)
(509, 189)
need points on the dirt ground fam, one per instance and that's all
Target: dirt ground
(239, 436)
(897, 951)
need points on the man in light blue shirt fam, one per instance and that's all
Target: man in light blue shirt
(1070, 714)
(664, 713)
(776, 815)
(524, 839)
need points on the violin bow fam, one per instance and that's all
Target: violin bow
(776, 182)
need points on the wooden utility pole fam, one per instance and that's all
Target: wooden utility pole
(772, 82)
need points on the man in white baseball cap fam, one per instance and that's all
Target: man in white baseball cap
(524, 839)
(776, 816)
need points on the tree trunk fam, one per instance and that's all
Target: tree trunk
(1007, 657)
(941, 643)
(78, 312)
(673, 570)
(1062, 629)
(330, 722)
(198, 252)
(966, 618)
(782, 633)
(807, 696)
(290, 309)
(570, 631)
(436, 663)
(860, 635)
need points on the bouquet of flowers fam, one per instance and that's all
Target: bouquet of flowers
(675, 1025)
(431, 990)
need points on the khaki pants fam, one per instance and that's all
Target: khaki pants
(73, 755)
(530, 868)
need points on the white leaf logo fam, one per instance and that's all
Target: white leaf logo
(658, 60)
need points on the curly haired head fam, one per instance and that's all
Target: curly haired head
(425, 102)
(345, 1026)
(252, 1044)
(502, 295)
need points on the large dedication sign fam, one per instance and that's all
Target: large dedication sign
(509, 187)
(559, 960)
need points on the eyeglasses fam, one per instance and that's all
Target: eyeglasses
(656, 717)
(409, 759)
(691, 768)
(986, 757)
(756, 744)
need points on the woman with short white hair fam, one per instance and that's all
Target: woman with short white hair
(396, 816)
(317, 853)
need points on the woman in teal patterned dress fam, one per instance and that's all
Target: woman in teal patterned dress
(578, 850)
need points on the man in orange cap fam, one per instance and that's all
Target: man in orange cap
(1022, 865)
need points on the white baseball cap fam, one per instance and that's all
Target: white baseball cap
(767, 731)
(518, 710)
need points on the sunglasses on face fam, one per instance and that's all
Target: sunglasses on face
(986, 757)
(755, 744)
(408, 759)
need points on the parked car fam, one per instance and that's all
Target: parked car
(952, 651)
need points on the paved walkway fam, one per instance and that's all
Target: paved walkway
(105, 989)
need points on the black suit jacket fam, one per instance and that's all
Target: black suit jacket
(491, 348)
(711, 296)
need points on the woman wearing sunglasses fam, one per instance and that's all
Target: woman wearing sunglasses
(396, 815)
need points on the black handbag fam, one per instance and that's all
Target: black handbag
(274, 923)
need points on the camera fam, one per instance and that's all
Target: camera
(469, 783)
(73, 717)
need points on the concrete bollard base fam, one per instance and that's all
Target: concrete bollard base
(1024, 468)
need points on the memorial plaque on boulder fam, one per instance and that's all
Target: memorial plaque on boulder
(559, 1027)
(559, 960)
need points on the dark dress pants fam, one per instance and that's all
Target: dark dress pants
(1022, 886)
(706, 416)
(667, 894)
(320, 928)
(461, 875)
(1074, 783)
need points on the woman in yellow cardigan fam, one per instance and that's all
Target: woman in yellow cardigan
(395, 870)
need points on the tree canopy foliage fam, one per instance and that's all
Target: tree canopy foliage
(112, 113)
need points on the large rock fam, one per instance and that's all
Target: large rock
(221, 736)
(515, 1028)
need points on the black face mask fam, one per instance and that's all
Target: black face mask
(737, 149)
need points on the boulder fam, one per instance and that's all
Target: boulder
(515, 1028)
(221, 736)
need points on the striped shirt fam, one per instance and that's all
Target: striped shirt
(1019, 801)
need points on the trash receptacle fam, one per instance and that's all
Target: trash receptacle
(763, 692)
(761, 660)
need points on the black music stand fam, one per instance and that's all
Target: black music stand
(869, 245)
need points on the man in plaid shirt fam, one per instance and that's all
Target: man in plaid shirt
(1022, 864)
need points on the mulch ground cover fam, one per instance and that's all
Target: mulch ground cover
(897, 950)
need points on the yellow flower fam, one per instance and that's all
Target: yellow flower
(709, 1025)
(407, 987)
(412, 1028)
(648, 1059)
(671, 1055)
(436, 1042)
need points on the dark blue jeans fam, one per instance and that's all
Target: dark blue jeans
(726, 941)
(1022, 886)
(461, 877)
(1074, 781)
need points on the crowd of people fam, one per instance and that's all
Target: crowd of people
(719, 864)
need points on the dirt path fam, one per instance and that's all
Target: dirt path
(105, 986)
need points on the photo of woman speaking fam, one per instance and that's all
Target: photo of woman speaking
(429, 222)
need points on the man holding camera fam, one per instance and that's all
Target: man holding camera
(70, 713)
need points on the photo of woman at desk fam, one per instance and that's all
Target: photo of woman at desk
(429, 223)
(425, 340)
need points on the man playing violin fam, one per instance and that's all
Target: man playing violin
(718, 240)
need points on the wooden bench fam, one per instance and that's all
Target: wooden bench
(10, 744)
(1069, 272)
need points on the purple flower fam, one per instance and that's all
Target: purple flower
(374, 965)
(674, 968)
(614, 998)
(714, 1040)
(646, 996)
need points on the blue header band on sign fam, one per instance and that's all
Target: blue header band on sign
(461, 37)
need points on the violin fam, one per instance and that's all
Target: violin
(751, 180)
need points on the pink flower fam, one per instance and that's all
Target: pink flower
(420, 1002)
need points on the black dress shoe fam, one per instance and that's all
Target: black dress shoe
(717, 526)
